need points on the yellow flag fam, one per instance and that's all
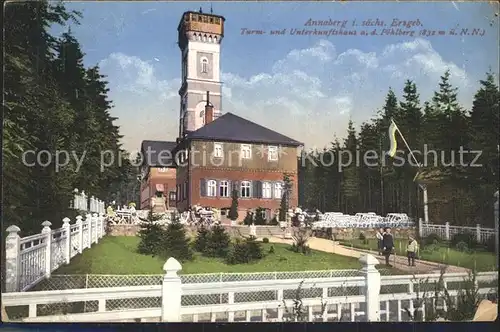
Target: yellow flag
(392, 138)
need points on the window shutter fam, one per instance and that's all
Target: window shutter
(272, 189)
(203, 187)
(259, 189)
(236, 187)
(255, 189)
(229, 188)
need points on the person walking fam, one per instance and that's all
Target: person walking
(388, 243)
(411, 251)
(380, 239)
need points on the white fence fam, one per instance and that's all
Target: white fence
(83, 203)
(447, 231)
(368, 297)
(30, 259)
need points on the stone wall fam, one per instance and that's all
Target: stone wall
(123, 230)
(353, 233)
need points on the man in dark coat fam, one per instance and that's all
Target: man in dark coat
(388, 243)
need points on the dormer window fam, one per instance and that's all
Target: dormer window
(204, 65)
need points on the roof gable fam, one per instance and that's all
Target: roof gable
(158, 153)
(232, 128)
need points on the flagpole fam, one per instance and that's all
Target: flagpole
(422, 186)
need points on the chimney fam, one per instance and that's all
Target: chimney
(209, 110)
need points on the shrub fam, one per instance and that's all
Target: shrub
(431, 239)
(176, 243)
(200, 244)
(468, 238)
(248, 219)
(462, 246)
(217, 242)
(300, 238)
(491, 244)
(362, 236)
(259, 216)
(244, 251)
(233, 211)
(271, 250)
(151, 236)
(265, 240)
(274, 221)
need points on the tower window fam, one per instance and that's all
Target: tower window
(204, 65)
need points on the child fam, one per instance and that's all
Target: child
(411, 251)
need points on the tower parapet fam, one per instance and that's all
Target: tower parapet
(200, 27)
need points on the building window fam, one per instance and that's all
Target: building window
(245, 189)
(218, 152)
(204, 65)
(178, 194)
(263, 214)
(266, 190)
(246, 151)
(278, 190)
(211, 188)
(162, 169)
(224, 189)
(272, 153)
(172, 197)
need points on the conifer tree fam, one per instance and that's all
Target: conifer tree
(233, 211)
(176, 242)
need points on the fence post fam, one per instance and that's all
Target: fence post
(171, 292)
(80, 233)
(420, 227)
(96, 227)
(372, 287)
(447, 231)
(478, 233)
(496, 224)
(48, 247)
(67, 247)
(12, 259)
(103, 224)
(88, 219)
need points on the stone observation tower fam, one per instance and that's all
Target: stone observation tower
(200, 37)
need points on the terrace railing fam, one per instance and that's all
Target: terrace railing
(28, 260)
(447, 231)
(366, 297)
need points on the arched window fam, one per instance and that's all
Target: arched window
(245, 188)
(212, 188)
(278, 190)
(204, 65)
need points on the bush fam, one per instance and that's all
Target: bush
(300, 238)
(259, 216)
(362, 236)
(151, 236)
(200, 244)
(431, 239)
(244, 251)
(217, 242)
(248, 219)
(265, 240)
(462, 246)
(271, 250)
(274, 221)
(176, 243)
(491, 244)
(468, 238)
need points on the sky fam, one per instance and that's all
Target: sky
(305, 87)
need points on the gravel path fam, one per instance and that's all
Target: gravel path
(398, 262)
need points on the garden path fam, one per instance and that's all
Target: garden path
(398, 262)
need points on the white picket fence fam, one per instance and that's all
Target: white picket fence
(369, 297)
(30, 259)
(83, 203)
(447, 231)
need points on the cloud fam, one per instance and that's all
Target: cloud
(310, 94)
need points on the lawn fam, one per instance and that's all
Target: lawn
(117, 255)
(481, 260)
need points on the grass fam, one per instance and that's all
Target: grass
(480, 260)
(118, 255)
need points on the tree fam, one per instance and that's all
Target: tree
(218, 241)
(233, 211)
(151, 236)
(200, 243)
(176, 243)
(350, 183)
(285, 198)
